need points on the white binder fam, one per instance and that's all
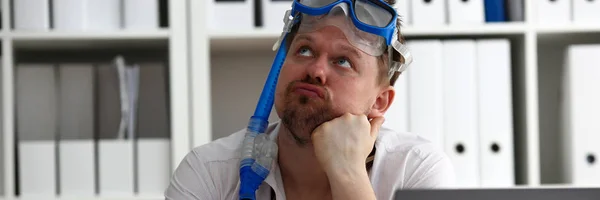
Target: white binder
(425, 92)
(581, 112)
(36, 125)
(231, 15)
(553, 12)
(141, 14)
(76, 130)
(466, 12)
(31, 15)
(586, 12)
(495, 113)
(403, 8)
(460, 109)
(87, 15)
(396, 117)
(428, 12)
(153, 143)
(273, 13)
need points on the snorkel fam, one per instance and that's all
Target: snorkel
(258, 151)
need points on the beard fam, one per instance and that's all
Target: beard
(303, 114)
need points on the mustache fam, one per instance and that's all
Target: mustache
(309, 80)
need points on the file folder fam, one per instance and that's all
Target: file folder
(141, 14)
(581, 112)
(31, 15)
(76, 131)
(495, 113)
(403, 9)
(36, 128)
(515, 10)
(396, 117)
(87, 15)
(553, 12)
(115, 152)
(425, 93)
(495, 10)
(273, 13)
(460, 109)
(153, 134)
(428, 12)
(231, 15)
(586, 12)
(466, 12)
(104, 15)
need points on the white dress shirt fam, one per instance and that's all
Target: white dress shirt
(402, 161)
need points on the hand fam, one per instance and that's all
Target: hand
(345, 142)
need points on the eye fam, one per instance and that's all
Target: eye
(343, 62)
(303, 51)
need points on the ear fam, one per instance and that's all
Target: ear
(382, 102)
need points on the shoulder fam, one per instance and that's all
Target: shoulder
(416, 161)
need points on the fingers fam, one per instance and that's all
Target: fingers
(376, 125)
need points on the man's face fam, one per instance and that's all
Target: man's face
(322, 78)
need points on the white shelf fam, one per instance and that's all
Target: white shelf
(263, 39)
(64, 39)
(567, 29)
(90, 198)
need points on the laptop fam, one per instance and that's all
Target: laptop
(501, 194)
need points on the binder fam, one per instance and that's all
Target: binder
(425, 92)
(231, 15)
(153, 135)
(396, 117)
(403, 9)
(460, 109)
(115, 153)
(581, 111)
(495, 113)
(31, 15)
(76, 130)
(586, 12)
(495, 10)
(36, 128)
(69, 15)
(141, 14)
(428, 12)
(515, 10)
(553, 12)
(465, 12)
(273, 13)
(87, 15)
(104, 15)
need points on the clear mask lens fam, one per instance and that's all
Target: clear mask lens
(338, 16)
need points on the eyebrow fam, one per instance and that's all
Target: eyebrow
(344, 47)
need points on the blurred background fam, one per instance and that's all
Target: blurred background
(101, 99)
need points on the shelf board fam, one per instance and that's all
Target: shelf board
(568, 29)
(262, 39)
(88, 39)
(91, 198)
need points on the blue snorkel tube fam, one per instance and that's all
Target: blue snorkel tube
(258, 151)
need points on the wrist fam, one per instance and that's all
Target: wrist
(353, 171)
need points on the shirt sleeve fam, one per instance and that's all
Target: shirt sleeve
(191, 181)
(434, 171)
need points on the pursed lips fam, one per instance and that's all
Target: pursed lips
(308, 89)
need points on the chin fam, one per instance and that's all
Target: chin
(302, 114)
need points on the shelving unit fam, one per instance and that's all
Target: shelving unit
(169, 42)
(239, 62)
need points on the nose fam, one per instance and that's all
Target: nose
(317, 70)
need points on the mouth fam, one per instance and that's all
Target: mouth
(308, 90)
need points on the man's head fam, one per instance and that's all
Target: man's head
(324, 76)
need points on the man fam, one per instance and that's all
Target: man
(331, 97)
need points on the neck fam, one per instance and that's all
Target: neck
(300, 169)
